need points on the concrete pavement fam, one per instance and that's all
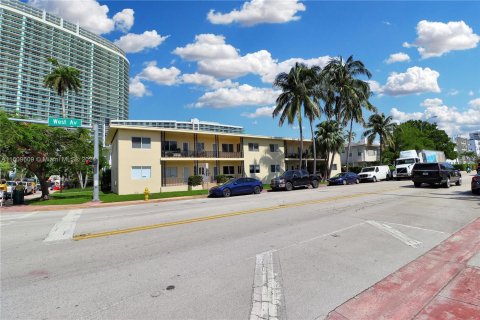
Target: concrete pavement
(442, 284)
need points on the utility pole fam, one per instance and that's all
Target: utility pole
(95, 163)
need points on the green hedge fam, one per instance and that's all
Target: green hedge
(463, 166)
(222, 178)
(195, 180)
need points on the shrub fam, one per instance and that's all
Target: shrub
(221, 178)
(195, 180)
(463, 166)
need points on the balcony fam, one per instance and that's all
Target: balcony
(200, 154)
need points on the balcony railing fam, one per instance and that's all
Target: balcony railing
(200, 154)
(297, 156)
(170, 182)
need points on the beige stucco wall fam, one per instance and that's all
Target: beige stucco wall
(264, 158)
(129, 157)
(115, 167)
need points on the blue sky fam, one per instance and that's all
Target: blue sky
(216, 60)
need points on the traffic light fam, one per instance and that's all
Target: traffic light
(89, 162)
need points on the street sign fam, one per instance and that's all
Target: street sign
(64, 122)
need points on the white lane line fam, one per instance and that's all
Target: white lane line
(14, 218)
(64, 229)
(395, 233)
(419, 228)
(267, 293)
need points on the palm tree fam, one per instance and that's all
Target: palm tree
(297, 92)
(379, 125)
(62, 79)
(329, 138)
(348, 95)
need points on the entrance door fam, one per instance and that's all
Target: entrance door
(203, 171)
(186, 174)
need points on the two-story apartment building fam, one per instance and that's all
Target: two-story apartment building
(162, 159)
(361, 153)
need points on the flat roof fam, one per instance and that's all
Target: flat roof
(114, 128)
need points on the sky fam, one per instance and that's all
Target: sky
(217, 60)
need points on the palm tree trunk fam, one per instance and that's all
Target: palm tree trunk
(381, 143)
(301, 137)
(349, 141)
(314, 149)
(63, 106)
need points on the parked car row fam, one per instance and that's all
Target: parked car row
(422, 173)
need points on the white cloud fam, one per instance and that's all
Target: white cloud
(375, 87)
(165, 76)
(450, 119)
(207, 81)
(471, 93)
(414, 81)
(436, 38)
(398, 57)
(244, 95)
(453, 92)
(475, 103)
(133, 43)
(217, 58)
(89, 14)
(260, 11)
(400, 116)
(207, 46)
(260, 112)
(124, 20)
(137, 88)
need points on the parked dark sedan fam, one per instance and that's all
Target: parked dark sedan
(344, 178)
(237, 186)
(476, 184)
(441, 173)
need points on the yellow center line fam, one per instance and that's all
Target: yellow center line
(220, 216)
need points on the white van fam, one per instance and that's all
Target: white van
(374, 173)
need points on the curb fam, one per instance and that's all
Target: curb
(87, 205)
(422, 288)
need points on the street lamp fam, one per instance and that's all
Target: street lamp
(421, 128)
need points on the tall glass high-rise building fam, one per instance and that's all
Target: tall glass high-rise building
(28, 36)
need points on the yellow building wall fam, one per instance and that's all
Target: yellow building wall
(129, 157)
(264, 158)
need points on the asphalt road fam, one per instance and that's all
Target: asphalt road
(276, 255)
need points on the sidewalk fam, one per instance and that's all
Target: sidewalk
(442, 284)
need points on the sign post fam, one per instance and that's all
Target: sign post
(95, 164)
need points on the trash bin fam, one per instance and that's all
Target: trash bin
(21, 197)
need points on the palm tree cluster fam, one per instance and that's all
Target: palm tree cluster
(335, 91)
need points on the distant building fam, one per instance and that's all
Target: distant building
(361, 153)
(461, 146)
(474, 142)
(28, 36)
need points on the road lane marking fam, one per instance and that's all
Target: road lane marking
(15, 218)
(419, 228)
(64, 229)
(220, 216)
(395, 233)
(267, 292)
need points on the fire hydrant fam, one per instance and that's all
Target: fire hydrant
(146, 193)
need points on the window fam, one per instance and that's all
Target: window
(228, 170)
(274, 147)
(140, 143)
(372, 152)
(275, 168)
(334, 166)
(239, 169)
(170, 145)
(359, 154)
(227, 147)
(350, 154)
(200, 146)
(254, 168)
(253, 147)
(171, 172)
(141, 173)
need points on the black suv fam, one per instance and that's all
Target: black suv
(295, 178)
(442, 173)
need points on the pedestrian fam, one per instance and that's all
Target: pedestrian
(3, 192)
